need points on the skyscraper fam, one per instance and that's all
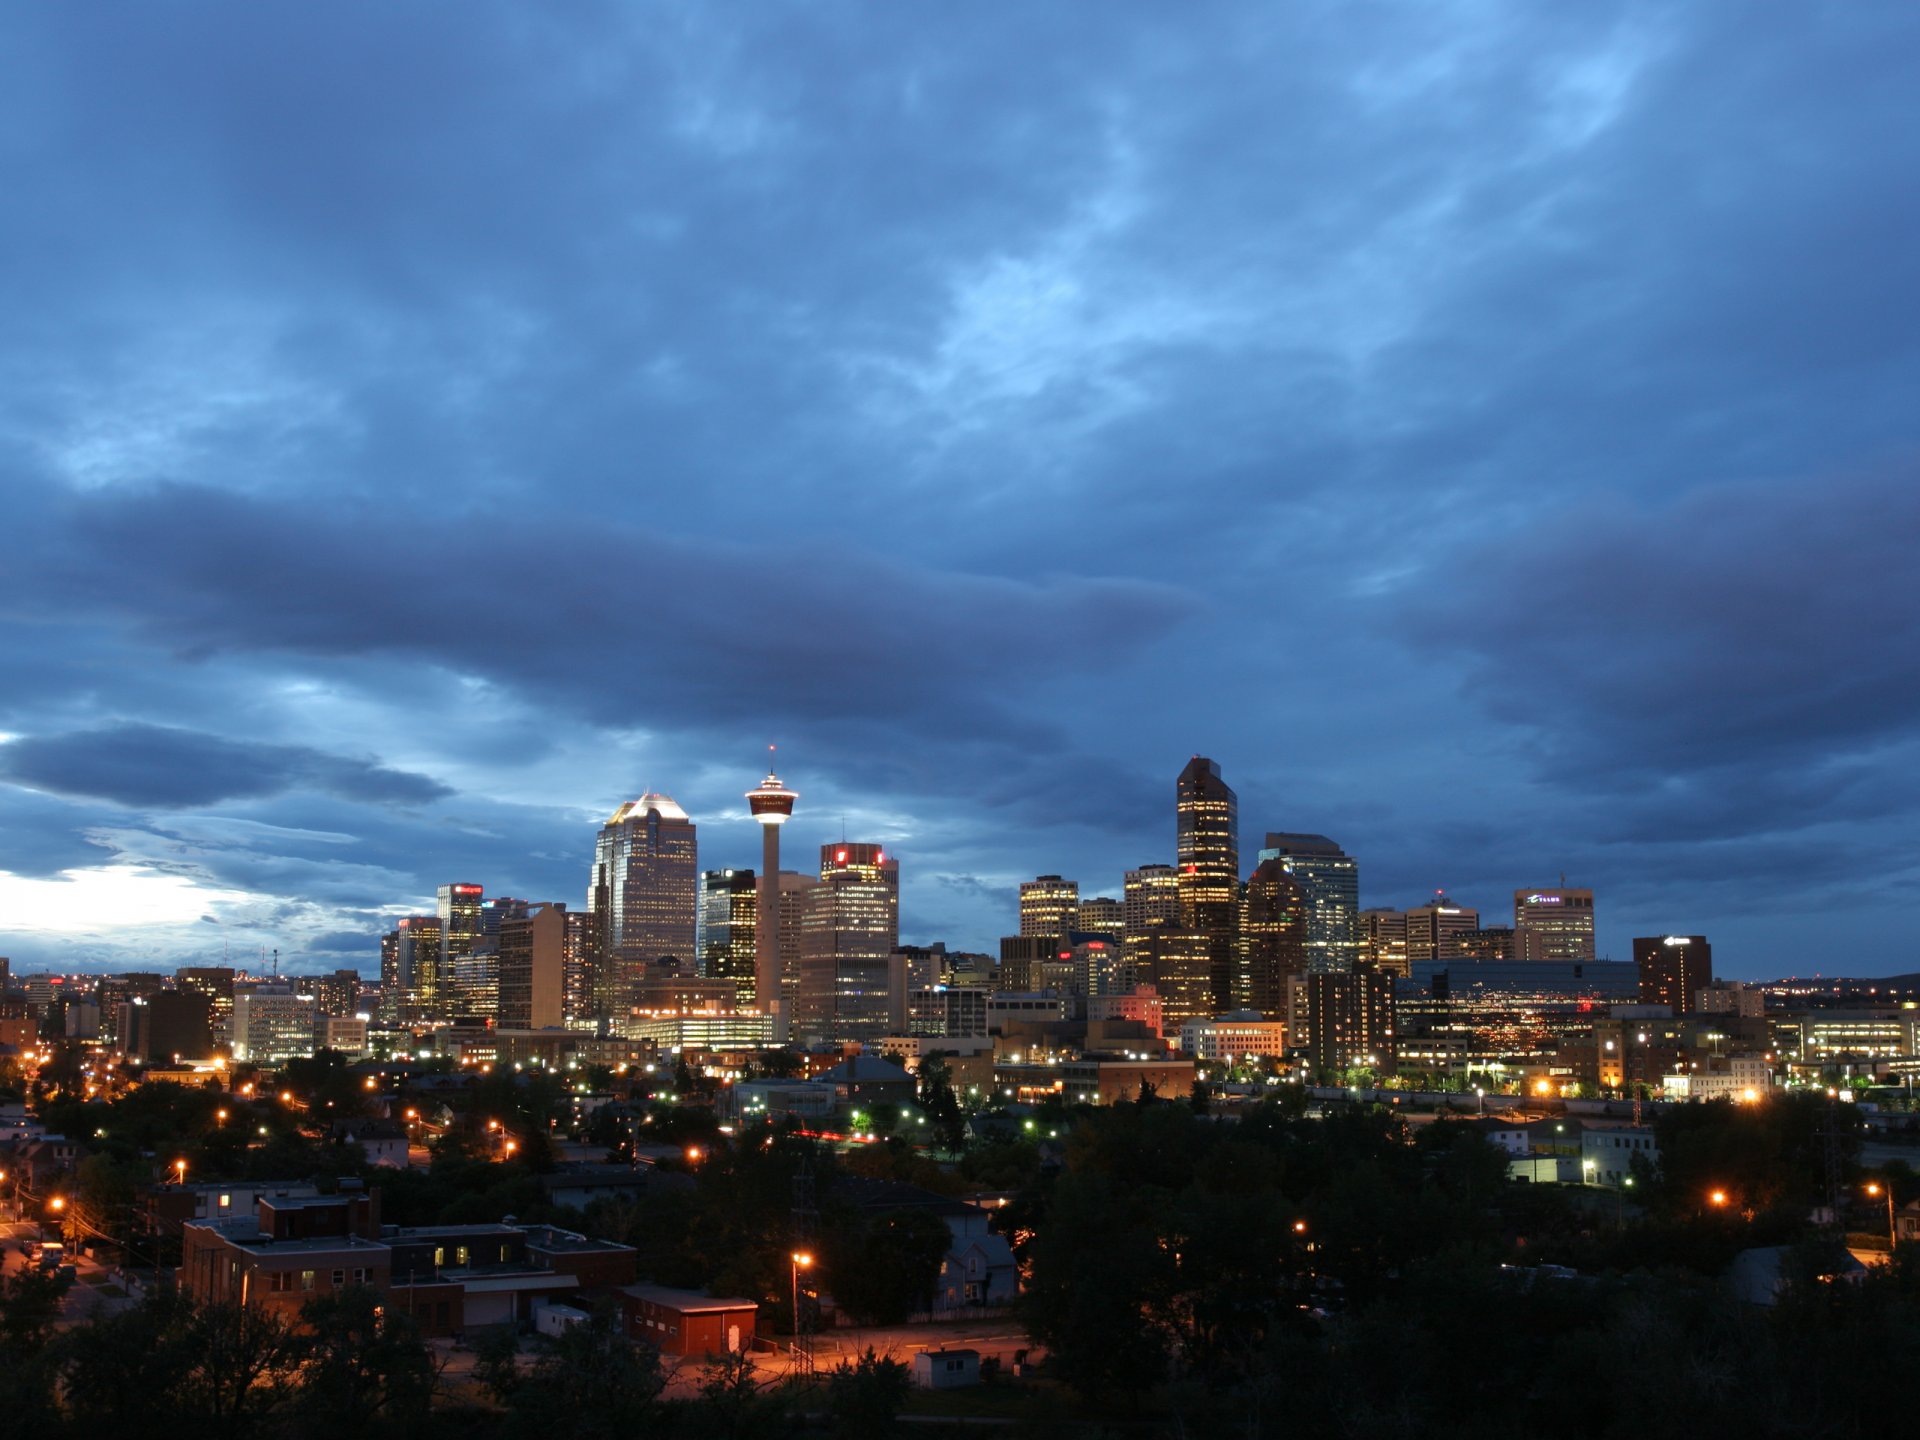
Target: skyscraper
(729, 902)
(1674, 969)
(641, 895)
(1329, 881)
(1383, 941)
(1553, 924)
(772, 805)
(850, 926)
(462, 922)
(417, 968)
(532, 968)
(1207, 862)
(1102, 915)
(1274, 926)
(1434, 929)
(1049, 906)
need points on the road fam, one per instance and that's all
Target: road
(95, 1286)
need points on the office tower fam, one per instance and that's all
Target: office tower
(1489, 942)
(641, 896)
(729, 906)
(533, 968)
(1207, 862)
(1553, 924)
(1178, 964)
(165, 1026)
(1152, 901)
(271, 1023)
(470, 984)
(461, 922)
(1023, 961)
(390, 986)
(216, 983)
(1049, 905)
(772, 805)
(1433, 929)
(1102, 915)
(1329, 880)
(1674, 969)
(1274, 925)
(417, 968)
(795, 888)
(850, 925)
(1350, 1020)
(496, 912)
(335, 994)
(1383, 940)
(576, 968)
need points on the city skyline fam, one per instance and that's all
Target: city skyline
(1486, 434)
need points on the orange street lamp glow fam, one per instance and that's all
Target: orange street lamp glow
(1299, 1227)
(802, 1259)
(286, 1097)
(59, 1202)
(1718, 1197)
(694, 1153)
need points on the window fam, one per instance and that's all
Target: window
(226, 1202)
(339, 1278)
(278, 1280)
(306, 1279)
(460, 1254)
(439, 1255)
(360, 1277)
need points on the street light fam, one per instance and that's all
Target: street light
(1717, 1198)
(802, 1260)
(1887, 1190)
(180, 1172)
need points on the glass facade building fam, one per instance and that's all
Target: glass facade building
(641, 895)
(1329, 881)
(726, 933)
(849, 927)
(1207, 866)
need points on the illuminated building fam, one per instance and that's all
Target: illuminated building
(1329, 881)
(1383, 940)
(1101, 915)
(1152, 900)
(390, 986)
(1553, 924)
(1673, 969)
(216, 983)
(461, 922)
(725, 937)
(417, 968)
(336, 994)
(271, 1023)
(1207, 867)
(1434, 929)
(576, 967)
(1506, 1010)
(850, 925)
(1489, 942)
(1350, 1020)
(1049, 906)
(1273, 933)
(1032, 963)
(775, 953)
(533, 968)
(1233, 1037)
(641, 895)
(1178, 964)
(470, 984)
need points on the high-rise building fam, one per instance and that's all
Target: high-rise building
(533, 968)
(1178, 964)
(772, 806)
(1553, 924)
(729, 904)
(1489, 942)
(166, 1025)
(850, 925)
(335, 994)
(417, 967)
(216, 983)
(1152, 902)
(645, 869)
(1274, 925)
(1674, 969)
(576, 967)
(1207, 862)
(1102, 915)
(1383, 941)
(1049, 906)
(1434, 929)
(470, 984)
(1329, 881)
(390, 986)
(462, 922)
(271, 1023)
(1350, 1020)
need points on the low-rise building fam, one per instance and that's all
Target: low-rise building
(688, 1322)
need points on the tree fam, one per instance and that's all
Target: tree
(882, 1268)
(865, 1396)
(734, 1404)
(363, 1367)
(29, 1306)
(590, 1383)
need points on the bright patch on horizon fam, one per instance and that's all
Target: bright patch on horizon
(105, 897)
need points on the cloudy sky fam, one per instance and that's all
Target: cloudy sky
(1492, 432)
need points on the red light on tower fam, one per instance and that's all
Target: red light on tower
(839, 857)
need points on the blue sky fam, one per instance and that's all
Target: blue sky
(1489, 431)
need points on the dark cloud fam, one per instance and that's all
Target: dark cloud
(993, 409)
(151, 765)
